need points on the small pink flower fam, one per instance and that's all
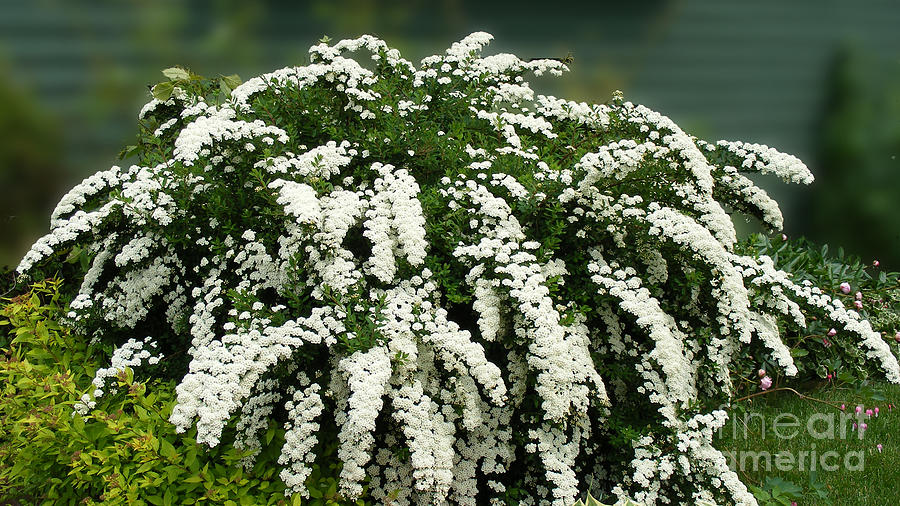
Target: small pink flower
(765, 383)
(864, 426)
(828, 377)
(858, 295)
(859, 409)
(827, 343)
(843, 407)
(876, 411)
(854, 425)
(783, 237)
(879, 447)
(845, 287)
(869, 412)
(897, 336)
(832, 332)
(761, 373)
(875, 263)
(857, 304)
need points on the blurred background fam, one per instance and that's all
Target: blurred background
(819, 79)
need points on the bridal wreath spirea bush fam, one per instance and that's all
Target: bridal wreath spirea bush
(470, 291)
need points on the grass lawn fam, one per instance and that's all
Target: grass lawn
(807, 451)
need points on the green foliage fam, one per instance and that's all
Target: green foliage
(125, 451)
(776, 492)
(815, 353)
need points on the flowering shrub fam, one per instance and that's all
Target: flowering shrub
(472, 291)
(821, 349)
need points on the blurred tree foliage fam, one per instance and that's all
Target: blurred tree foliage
(30, 163)
(857, 202)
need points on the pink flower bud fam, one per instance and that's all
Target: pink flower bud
(864, 426)
(857, 304)
(783, 237)
(879, 447)
(765, 383)
(854, 426)
(845, 287)
(827, 343)
(843, 407)
(875, 263)
(858, 295)
(858, 409)
(761, 373)
(897, 336)
(869, 412)
(832, 332)
(876, 411)
(828, 377)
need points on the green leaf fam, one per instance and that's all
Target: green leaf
(146, 466)
(177, 74)
(129, 151)
(168, 497)
(41, 330)
(783, 487)
(591, 501)
(163, 91)
(95, 430)
(78, 423)
(167, 450)
(172, 473)
(141, 413)
(232, 81)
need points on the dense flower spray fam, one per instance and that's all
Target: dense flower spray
(474, 293)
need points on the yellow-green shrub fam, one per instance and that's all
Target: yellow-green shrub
(124, 451)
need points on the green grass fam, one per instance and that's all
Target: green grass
(780, 422)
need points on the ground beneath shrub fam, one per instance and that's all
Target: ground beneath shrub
(808, 451)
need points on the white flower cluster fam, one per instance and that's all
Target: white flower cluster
(394, 221)
(748, 197)
(128, 356)
(765, 160)
(785, 297)
(367, 375)
(300, 438)
(321, 162)
(436, 285)
(197, 137)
